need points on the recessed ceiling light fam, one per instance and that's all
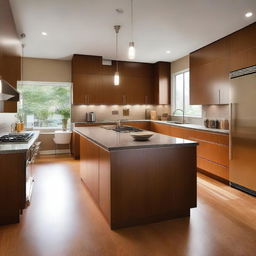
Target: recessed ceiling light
(248, 14)
(44, 33)
(168, 51)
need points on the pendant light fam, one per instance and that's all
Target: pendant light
(116, 76)
(131, 50)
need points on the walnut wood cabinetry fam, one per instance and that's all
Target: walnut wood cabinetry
(93, 82)
(12, 187)
(162, 75)
(10, 52)
(131, 191)
(243, 48)
(86, 79)
(209, 74)
(212, 152)
(210, 66)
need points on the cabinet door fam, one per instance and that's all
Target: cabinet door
(161, 128)
(243, 48)
(89, 169)
(104, 183)
(87, 89)
(203, 90)
(136, 83)
(86, 79)
(110, 94)
(162, 72)
(85, 64)
(209, 74)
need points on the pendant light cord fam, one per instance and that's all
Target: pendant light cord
(132, 20)
(116, 50)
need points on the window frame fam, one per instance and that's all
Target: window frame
(47, 83)
(173, 95)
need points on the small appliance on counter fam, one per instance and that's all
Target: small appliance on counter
(90, 117)
(216, 124)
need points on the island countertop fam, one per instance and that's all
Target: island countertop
(111, 140)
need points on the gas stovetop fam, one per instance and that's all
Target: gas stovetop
(17, 137)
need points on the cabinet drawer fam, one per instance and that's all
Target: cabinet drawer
(213, 168)
(212, 151)
(161, 128)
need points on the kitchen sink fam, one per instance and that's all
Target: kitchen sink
(123, 128)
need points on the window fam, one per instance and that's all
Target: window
(44, 104)
(181, 96)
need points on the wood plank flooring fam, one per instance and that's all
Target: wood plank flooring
(62, 220)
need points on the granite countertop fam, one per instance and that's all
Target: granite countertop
(189, 126)
(17, 147)
(112, 140)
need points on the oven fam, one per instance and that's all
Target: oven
(30, 159)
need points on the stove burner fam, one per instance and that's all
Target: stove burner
(14, 137)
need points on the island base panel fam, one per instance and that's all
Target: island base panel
(152, 184)
(139, 186)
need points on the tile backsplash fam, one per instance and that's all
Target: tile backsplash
(6, 120)
(136, 112)
(115, 112)
(216, 112)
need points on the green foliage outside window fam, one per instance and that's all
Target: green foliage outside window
(43, 104)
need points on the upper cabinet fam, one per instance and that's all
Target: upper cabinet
(10, 52)
(243, 48)
(210, 66)
(209, 74)
(162, 85)
(93, 82)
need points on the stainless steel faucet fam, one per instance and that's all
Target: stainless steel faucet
(118, 123)
(183, 116)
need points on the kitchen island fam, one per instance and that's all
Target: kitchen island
(138, 182)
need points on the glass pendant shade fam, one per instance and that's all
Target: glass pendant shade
(131, 51)
(116, 78)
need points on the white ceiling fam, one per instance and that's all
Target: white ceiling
(86, 26)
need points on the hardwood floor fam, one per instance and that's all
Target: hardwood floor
(62, 220)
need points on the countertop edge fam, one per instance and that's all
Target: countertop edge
(23, 150)
(202, 128)
(190, 144)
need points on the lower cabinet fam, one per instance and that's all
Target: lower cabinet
(212, 151)
(141, 125)
(89, 155)
(95, 173)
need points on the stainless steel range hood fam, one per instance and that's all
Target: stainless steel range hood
(7, 92)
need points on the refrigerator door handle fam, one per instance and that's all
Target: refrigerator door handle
(230, 131)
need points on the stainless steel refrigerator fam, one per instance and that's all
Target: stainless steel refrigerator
(243, 130)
